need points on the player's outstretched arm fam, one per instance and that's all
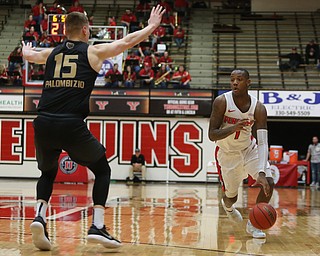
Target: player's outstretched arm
(107, 50)
(33, 56)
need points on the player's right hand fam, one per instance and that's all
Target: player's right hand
(156, 15)
(242, 125)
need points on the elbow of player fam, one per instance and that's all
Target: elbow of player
(212, 136)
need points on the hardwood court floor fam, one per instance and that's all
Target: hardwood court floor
(159, 219)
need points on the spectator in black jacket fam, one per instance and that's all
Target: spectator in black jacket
(312, 52)
(295, 60)
(137, 165)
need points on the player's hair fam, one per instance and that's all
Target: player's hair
(75, 21)
(244, 71)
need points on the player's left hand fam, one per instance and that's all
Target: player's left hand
(262, 180)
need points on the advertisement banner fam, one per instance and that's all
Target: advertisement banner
(11, 99)
(175, 149)
(180, 102)
(291, 103)
(106, 65)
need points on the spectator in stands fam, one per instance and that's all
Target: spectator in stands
(165, 5)
(33, 36)
(312, 52)
(178, 36)
(129, 77)
(55, 8)
(44, 23)
(165, 59)
(151, 59)
(137, 165)
(183, 77)
(181, 7)
(128, 20)
(112, 80)
(3, 75)
(45, 40)
(142, 10)
(146, 76)
(76, 7)
(144, 48)
(157, 36)
(15, 58)
(162, 77)
(29, 22)
(295, 60)
(133, 57)
(38, 11)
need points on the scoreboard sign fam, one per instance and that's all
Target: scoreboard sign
(56, 25)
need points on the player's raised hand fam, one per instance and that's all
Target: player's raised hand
(26, 48)
(156, 15)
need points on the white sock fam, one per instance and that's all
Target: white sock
(98, 217)
(42, 210)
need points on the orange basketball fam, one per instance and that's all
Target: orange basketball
(263, 216)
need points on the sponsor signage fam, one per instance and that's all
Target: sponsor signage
(291, 103)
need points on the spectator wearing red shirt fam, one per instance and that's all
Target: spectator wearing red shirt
(76, 7)
(142, 10)
(55, 8)
(165, 59)
(178, 36)
(166, 6)
(183, 77)
(44, 23)
(45, 40)
(15, 58)
(151, 59)
(34, 34)
(29, 22)
(129, 77)
(126, 20)
(157, 35)
(133, 56)
(38, 11)
(112, 81)
(180, 5)
(162, 77)
(147, 76)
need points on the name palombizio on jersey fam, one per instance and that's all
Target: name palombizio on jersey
(64, 83)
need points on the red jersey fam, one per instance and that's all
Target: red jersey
(29, 23)
(132, 76)
(166, 6)
(112, 72)
(149, 73)
(184, 76)
(159, 32)
(44, 25)
(129, 17)
(180, 3)
(53, 9)
(165, 60)
(36, 10)
(76, 9)
(178, 34)
(34, 34)
(150, 60)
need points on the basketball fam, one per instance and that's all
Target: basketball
(263, 216)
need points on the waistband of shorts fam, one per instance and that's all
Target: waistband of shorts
(55, 115)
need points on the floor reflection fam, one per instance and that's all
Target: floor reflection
(166, 219)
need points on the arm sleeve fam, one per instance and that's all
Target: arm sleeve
(262, 135)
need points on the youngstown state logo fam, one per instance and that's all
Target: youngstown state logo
(68, 166)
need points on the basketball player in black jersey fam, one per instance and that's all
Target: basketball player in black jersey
(71, 70)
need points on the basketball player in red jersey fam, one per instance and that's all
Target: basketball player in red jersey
(71, 71)
(237, 116)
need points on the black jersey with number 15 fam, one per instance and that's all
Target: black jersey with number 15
(68, 80)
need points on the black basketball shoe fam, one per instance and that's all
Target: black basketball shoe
(40, 236)
(101, 236)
